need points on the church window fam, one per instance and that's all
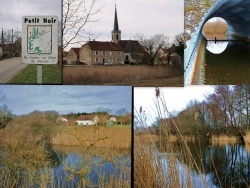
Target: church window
(96, 52)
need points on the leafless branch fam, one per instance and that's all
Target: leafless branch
(76, 15)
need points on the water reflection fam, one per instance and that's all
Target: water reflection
(95, 167)
(230, 67)
(221, 166)
(74, 167)
(216, 47)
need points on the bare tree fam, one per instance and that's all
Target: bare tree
(153, 45)
(76, 15)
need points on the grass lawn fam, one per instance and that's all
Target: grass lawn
(52, 74)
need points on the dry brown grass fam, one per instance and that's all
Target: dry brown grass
(24, 153)
(146, 174)
(247, 138)
(88, 136)
(103, 75)
(27, 158)
(224, 140)
(166, 82)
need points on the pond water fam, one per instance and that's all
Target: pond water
(232, 66)
(75, 167)
(221, 166)
(92, 168)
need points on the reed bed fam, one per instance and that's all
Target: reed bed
(224, 140)
(117, 74)
(161, 163)
(90, 136)
(29, 160)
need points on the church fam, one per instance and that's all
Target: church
(116, 51)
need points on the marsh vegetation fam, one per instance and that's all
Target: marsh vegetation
(103, 75)
(32, 154)
(201, 146)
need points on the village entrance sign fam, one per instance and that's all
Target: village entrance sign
(40, 41)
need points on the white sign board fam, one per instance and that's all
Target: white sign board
(40, 39)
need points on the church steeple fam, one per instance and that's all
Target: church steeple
(116, 26)
(116, 33)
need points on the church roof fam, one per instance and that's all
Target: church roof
(116, 26)
(131, 46)
(103, 46)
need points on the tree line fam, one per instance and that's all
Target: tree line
(224, 112)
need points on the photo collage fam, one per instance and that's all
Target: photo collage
(120, 94)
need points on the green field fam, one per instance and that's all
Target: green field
(52, 74)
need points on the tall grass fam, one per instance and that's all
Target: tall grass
(90, 136)
(117, 74)
(247, 138)
(27, 158)
(160, 163)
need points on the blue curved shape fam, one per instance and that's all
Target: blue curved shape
(237, 15)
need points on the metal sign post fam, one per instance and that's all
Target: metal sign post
(39, 74)
(40, 41)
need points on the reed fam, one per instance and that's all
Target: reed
(224, 140)
(247, 138)
(116, 74)
(160, 163)
(91, 136)
(28, 159)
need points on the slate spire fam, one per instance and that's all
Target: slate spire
(116, 33)
(116, 26)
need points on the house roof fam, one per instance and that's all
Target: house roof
(62, 118)
(86, 117)
(103, 46)
(131, 46)
(76, 50)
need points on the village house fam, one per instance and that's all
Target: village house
(97, 52)
(62, 119)
(87, 120)
(73, 55)
(93, 119)
(169, 56)
(116, 51)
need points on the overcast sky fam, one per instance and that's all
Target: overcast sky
(176, 98)
(142, 16)
(12, 11)
(145, 17)
(65, 99)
